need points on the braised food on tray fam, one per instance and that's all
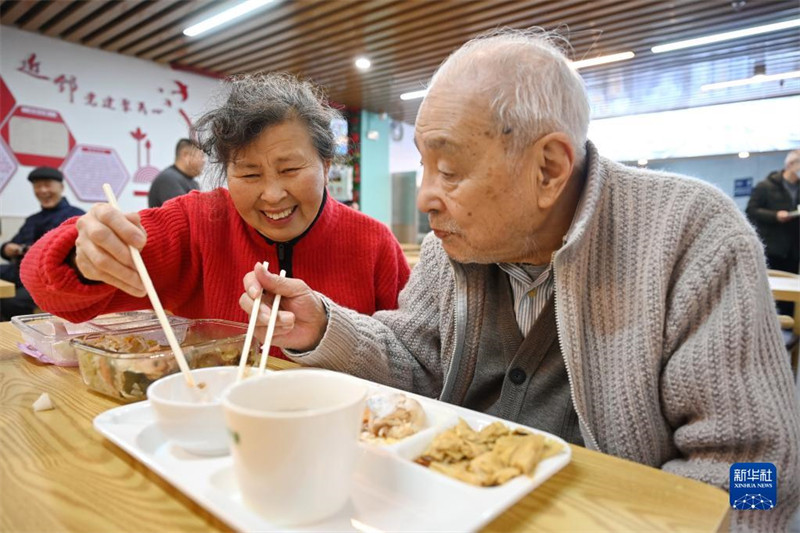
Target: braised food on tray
(488, 457)
(391, 417)
(123, 366)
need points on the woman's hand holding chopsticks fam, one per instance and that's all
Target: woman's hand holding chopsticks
(101, 249)
(301, 320)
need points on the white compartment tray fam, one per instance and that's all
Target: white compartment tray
(390, 492)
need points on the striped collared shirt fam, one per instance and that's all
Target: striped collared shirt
(531, 286)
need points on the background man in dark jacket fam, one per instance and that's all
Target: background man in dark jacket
(179, 178)
(48, 186)
(773, 209)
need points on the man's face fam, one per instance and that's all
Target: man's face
(48, 192)
(194, 160)
(793, 170)
(480, 203)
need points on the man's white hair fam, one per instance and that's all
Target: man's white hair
(791, 157)
(533, 89)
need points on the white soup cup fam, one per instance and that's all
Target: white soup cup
(294, 442)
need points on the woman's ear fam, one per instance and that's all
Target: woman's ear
(555, 159)
(326, 167)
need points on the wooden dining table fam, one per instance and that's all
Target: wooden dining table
(7, 289)
(58, 474)
(787, 289)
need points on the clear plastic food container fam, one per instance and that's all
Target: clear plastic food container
(122, 365)
(49, 335)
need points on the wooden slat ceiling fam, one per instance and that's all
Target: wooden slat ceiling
(405, 39)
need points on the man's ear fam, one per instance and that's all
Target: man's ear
(555, 160)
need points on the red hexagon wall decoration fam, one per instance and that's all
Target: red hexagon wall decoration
(37, 136)
(7, 100)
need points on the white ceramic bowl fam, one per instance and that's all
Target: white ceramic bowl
(193, 418)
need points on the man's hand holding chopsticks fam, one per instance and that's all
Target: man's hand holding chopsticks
(101, 250)
(301, 320)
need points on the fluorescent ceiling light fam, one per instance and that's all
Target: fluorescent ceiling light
(413, 95)
(583, 63)
(737, 34)
(602, 60)
(363, 63)
(758, 78)
(226, 16)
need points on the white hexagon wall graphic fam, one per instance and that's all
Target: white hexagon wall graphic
(88, 167)
(8, 164)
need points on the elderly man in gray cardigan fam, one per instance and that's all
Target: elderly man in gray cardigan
(625, 310)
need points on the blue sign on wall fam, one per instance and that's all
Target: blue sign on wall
(742, 187)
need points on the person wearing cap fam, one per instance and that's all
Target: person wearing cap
(48, 186)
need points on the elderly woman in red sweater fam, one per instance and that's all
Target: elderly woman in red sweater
(272, 142)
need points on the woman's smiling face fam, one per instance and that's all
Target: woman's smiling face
(277, 182)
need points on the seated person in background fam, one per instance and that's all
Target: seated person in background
(622, 309)
(179, 178)
(272, 142)
(48, 186)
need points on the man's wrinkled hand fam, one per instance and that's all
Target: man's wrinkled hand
(301, 320)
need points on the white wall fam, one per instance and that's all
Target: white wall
(724, 170)
(106, 75)
(403, 155)
(753, 126)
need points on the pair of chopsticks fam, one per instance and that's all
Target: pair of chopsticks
(251, 327)
(154, 301)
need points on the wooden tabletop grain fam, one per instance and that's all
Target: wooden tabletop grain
(58, 474)
(785, 289)
(7, 289)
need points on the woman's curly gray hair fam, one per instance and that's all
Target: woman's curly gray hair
(252, 103)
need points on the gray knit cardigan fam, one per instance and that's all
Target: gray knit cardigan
(665, 320)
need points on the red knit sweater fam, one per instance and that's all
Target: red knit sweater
(199, 249)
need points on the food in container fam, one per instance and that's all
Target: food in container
(489, 457)
(47, 337)
(124, 365)
(390, 417)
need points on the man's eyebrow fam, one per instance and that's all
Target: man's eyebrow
(438, 143)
